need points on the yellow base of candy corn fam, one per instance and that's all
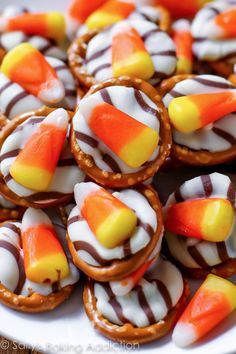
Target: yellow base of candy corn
(101, 20)
(116, 228)
(15, 56)
(34, 178)
(56, 25)
(184, 66)
(184, 115)
(137, 65)
(50, 268)
(140, 149)
(217, 284)
(218, 221)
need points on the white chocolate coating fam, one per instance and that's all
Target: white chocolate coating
(218, 136)
(194, 253)
(98, 61)
(128, 100)
(208, 42)
(149, 302)
(89, 248)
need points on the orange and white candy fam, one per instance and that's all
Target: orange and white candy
(210, 219)
(35, 165)
(211, 304)
(49, 25)
(79, 10)
(183, 41)
(27, 67)
(184, 8)
(192, 112)
(44, 257)
(111, 221)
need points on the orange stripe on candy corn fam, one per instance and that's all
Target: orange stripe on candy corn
(226, 21)
(184, 8)
(189, 113)
(183, 42)
(50, 25)
(111, 12)
(124, 135)
(81, 9)
(35, 165)
(26, 66)
(213, 301)
(210, 219)
(44, 257)
(129, 55)
(111, 221)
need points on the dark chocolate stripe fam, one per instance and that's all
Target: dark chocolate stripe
(100, 68)
(215, 84)
(5, 87)
(231, 193)
(56, 287)
(160, 75)
(86, 139)
(35, 120)
(46, 47)
(98, 54)
(106, 96)
(60, 67)
(148, 34)
(207, 185)
(14, 101)
(85, 246)
(16, 254)
(164, 292)
(12, 227)
(12, 153)
(222, 251)
(127, 248)
(178, 196)
(144, 304)
(226, 136)
(196, 255)
(169, 53)
(147, 227)
(70, 92)
(175, 93)
(200, 39)
(74, 219)
(143, 104)
(213, 9)
(115, 304)
(7, 178)
(66, 162)
(111, 163)
(144, 16)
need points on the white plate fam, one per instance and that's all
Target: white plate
(67, 329)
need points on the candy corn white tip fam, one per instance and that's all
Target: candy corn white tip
(184, 335)
(52, 92)
(34, 217)
(59, 118)
(81, 190)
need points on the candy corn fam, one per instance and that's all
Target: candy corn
(129, 55)
(44, 258)
(50, 24)
(26, 66)
(189, 113)
(35, 165)
(210, 219)
(124, 286)
(111, 221)
(183, 8)
(183, 42)
(124, 135)
(79, 10)
(111, 12)
(212, 303)
(226, 24)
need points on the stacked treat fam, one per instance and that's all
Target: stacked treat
(141, 92)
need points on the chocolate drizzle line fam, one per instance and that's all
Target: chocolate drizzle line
(169, 53)
(14, 101)
(164, 292)
(222, 251)
(148, 34)
(86, 139)
(231, 193)
(115, 304)
(16, 254)
(226, 136)
(143, 104)
(85, 246)
(111, 163)
(215, 84)
(144, 304)
(178, 196)
(12, 153)
(207, 185)
(98, 54)
(100, 68)
(106, 96)
(12, 227)
(6, 86)
(127, 248)
(74, 219)
(196, 255)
